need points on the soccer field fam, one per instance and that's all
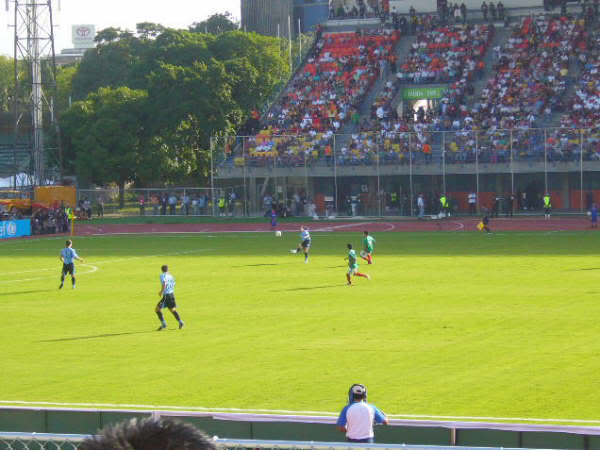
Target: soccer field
(451, 324)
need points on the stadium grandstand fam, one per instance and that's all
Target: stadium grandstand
(388, 105)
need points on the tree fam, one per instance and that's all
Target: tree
(7, 83)
(105, 137)
(216, 24)
(147, 30)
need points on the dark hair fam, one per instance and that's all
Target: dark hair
(69, 242)
(350, 246)
(149, 434)
(165, 268)
(366, 233)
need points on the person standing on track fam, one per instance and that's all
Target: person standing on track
(358, 416)
(68, 255)
(304, 245)
(167, 298)
(547, 206)
(594, 215)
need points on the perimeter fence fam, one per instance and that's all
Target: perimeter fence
(383, 173)
(43, 441)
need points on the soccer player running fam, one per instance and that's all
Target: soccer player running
(68, 255)
(304, 245)
(353, 266)
(167, 298)
(368, 246)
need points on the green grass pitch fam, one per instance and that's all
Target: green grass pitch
(453, 324)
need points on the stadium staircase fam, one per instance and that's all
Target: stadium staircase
(500, 38)
(401, 49)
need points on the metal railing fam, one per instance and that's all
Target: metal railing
(47, 441)
(384, 172)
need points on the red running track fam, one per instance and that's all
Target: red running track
(450, 224)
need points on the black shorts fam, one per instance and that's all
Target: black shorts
(547, 210)
(168, 301)
(68, 269)
(305, 243)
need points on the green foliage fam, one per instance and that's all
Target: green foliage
(216, 24)
(105, 137)
(7, 83)
(198, 85)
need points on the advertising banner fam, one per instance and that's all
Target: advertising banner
(15, 228)
(83, 36)
(426, 92)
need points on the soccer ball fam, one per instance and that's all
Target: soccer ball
(363, 253)
(278, 233)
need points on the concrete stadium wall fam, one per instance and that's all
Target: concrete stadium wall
(89, 421)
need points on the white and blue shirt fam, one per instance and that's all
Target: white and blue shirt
(358, 418)
(68, 255)
(305, 235)
(167, 280)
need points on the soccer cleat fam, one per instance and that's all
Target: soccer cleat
(162, 327)
(61, 286)
(73, 287)
(368, 277)
(181, 324)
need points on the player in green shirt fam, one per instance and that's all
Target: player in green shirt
(353, 266)
(367, 253)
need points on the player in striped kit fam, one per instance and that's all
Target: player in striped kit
(68, 255)
(167, 298)
(304, 245)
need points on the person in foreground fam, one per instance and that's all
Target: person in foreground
(358, 416)
(149, 434)
(68, 255)
(167, 298)
(353, 266)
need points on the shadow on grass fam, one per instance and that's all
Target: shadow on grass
(95, 336)
(3, 294)
(311, 288)
(590, 268)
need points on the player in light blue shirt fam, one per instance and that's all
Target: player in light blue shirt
(68, 255)
(305, 241)
(167, 298)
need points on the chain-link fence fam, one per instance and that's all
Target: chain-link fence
(385, 173)
(43, 441)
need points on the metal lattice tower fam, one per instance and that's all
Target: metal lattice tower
(35, 87)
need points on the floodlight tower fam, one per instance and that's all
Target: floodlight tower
(35, 87)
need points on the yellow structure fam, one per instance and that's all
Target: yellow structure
(51, 195)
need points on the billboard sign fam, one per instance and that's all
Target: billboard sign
(83, 36)
(426, 92)
(15, 228)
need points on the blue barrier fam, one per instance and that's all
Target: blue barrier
(15, 228)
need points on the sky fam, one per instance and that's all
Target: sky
(118, 13)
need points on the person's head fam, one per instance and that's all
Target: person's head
(69, 243)
(349, 246)
(366, 233)
(165, 268)
(358, 393)
(301, 228)
(149, 434)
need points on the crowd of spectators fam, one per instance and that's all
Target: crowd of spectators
(358, 9)
(52, 220)
(530, 77)
(321, 98)
(446, 54)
